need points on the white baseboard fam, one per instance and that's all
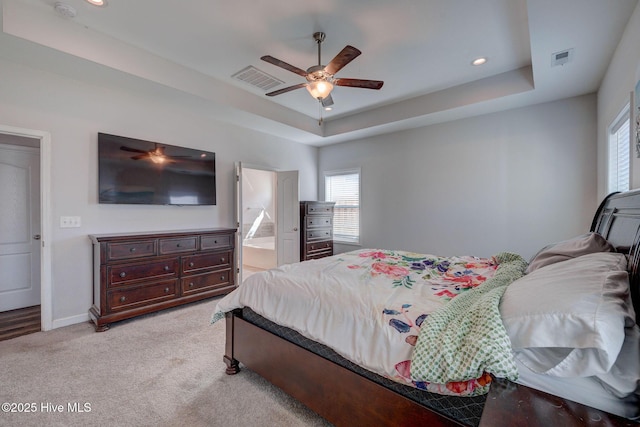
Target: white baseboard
(71, 320)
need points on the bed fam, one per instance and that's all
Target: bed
(348, 387)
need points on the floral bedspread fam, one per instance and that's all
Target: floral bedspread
(368, 305)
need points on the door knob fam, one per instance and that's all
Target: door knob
(295, 228)
(36, 237)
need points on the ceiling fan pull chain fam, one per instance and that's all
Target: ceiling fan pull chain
(320, 112)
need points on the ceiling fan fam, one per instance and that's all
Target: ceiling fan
(156, 155)
(320, 78)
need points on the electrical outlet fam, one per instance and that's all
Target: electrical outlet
(70, 221)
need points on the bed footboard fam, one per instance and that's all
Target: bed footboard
(233, 366)
(342, 397)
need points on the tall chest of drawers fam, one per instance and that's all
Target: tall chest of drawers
(136, 274)
(316, 239)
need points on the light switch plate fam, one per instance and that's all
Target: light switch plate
(70, 221)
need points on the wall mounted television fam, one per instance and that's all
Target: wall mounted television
(134, 171)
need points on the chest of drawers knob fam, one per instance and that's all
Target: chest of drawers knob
(123, 298)
(123, 274)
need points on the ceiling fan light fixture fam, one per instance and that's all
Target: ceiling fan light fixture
(479, 61)
(320, 89)
(99, 3)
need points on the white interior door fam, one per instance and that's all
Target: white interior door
(20, 244)
(288, 218)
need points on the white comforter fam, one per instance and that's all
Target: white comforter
(367, 305)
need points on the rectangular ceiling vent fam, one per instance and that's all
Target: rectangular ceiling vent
(562, 57)
(257, 78)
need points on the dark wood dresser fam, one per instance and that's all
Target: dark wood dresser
(316, 232)
(135, 274)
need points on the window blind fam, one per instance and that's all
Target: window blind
(344, 190)
(619, 146)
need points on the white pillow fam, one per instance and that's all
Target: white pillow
(581, 245)
(568, 319)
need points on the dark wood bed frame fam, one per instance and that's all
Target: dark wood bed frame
(345, 398)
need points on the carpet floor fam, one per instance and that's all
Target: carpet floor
(163, 369)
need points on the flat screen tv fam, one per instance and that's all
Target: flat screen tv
(134, 171)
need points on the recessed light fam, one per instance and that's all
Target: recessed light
(479, 61)
(99, 3)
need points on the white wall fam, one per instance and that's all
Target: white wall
(621, 78)
(513, 180)
(73, 112)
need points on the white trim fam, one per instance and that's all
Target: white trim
(46, 294)
(71, 320)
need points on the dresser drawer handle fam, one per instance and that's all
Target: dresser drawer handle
(122, 274)
(215, 242)
(123, 299)
(166, 268)
(222, 259)
(222, 277)
(166, 290)
(132, 250)
(191, 285)
(177, 245)
(310, 222)
(191, 264)
(312, 247)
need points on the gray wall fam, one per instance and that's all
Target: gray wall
(512, 180)
(621, 78)
(73, 112)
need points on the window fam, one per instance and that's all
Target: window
(619, 147)
(343, 188)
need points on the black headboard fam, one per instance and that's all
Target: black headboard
(618, 221)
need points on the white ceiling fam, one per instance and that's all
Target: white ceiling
(422, 49)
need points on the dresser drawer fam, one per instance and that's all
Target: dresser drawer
(118, 275)
(207, 281)
(326, 246)
(195, 263)
(319, 208)
(141, 295)
(319, 221)
(318, 255)
(183, 244)
(215, 242)
(131, 250)
(319, 234)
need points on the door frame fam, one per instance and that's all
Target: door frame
(46, 295)
(239, 166)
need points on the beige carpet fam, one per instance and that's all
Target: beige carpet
(163, 369)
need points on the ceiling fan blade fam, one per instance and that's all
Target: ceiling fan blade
(286, 89)
(365, 84)
(133, 150)
(346, 55)
(327, 102)
(270, 59)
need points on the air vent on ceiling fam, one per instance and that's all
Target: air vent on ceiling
(562, 57)
(257, 78)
